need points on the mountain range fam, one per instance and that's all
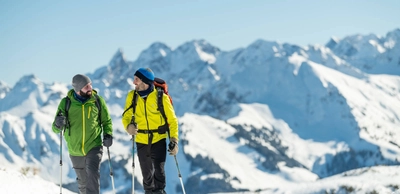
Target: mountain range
(268, 118)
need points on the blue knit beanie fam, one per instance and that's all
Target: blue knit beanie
(146, 75)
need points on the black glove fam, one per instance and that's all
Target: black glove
(60, 121)
(173, 146)
(107, 140)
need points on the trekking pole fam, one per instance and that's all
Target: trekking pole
(61, 132)
(111, 171)
(179, 175)
(133, 164)
(179, 171)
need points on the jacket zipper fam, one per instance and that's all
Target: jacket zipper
(83, 129)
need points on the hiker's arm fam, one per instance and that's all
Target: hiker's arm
(126, 118)
(105, 118)
(172, 119)
(60, 108)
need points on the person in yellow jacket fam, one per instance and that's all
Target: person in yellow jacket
(146, 122)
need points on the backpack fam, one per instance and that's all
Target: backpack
(68, 105)
(162, 88)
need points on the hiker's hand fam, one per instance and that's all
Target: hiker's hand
(60, 121)
(107, 140)
(173, 146)
(132, 129)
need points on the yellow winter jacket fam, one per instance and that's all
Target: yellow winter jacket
(148, 117)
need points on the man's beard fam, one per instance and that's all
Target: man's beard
(140, 87)
(88, 94)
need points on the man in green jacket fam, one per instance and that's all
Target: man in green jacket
(82, 132)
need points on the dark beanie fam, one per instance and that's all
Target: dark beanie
(146, 75)
(79, 81)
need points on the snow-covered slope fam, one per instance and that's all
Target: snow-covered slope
(370, 53)
(4, 89)
(26, 181)
(377, 179)
(268, 114)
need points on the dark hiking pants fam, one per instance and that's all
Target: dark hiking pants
(152, 165)
(87, 169)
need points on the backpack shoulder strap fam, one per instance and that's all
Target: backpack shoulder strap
(66, 108)
(133, 104)
(160, 104)
(160, 93)
(67, 105)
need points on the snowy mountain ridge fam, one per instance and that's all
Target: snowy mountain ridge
(269, 115)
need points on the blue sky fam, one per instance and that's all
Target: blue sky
(55, 40)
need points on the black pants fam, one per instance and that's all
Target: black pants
(152, 164)
(87, 169)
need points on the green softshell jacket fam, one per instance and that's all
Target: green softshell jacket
(85, 131)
